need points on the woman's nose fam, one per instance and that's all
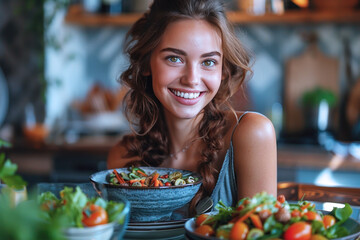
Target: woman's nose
(191, 75)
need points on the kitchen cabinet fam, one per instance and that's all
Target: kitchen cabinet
(78, 16)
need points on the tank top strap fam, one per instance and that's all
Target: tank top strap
(241, 116)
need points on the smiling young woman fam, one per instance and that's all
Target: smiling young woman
(185, 64)
(186, 73)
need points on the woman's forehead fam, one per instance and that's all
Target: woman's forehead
(191, 34)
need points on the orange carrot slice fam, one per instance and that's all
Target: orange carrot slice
(156, 183)
(119, 178)
(141, 173)
(131, 181)
(255, 219)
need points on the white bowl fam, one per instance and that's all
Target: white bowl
(113, 230)
(101, 232)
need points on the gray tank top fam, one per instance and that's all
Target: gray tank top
(226, 186)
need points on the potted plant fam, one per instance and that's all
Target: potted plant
(318, 104)
(25, 221)
(10, 181)
(20, 217)
(313, 97)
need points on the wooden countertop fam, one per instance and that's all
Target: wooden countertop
(289, 155)
(315, 157)
(91, 144)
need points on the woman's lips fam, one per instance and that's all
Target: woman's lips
(186, 95)
(186, 98)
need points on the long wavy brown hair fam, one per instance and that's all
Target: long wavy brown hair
(149, 140)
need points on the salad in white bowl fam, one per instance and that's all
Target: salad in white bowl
(83, 217)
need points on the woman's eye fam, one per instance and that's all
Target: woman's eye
(174, 59)
(209, 63)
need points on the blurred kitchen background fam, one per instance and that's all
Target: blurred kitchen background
(60, 101)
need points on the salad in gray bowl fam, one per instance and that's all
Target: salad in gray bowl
(154, 193)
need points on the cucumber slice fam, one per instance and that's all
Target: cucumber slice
(254, 234)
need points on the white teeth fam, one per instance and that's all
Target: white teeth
(186, 95)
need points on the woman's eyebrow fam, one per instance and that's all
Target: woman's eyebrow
(210, 54)
(181, 52)
(174, 50)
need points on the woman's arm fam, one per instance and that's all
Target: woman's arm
(255, 156)
(116, 157)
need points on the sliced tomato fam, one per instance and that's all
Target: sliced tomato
(205, 230)
(311, 216)
(239, 231)
(200, 219)
(328, 221)
(94, 215)
(298, 231)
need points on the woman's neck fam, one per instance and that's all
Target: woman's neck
(181, 132)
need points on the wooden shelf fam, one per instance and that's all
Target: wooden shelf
(296, 17)
(76, 15)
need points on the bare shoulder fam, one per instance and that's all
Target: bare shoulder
(117, 157)
(255, 155)
(253, 127)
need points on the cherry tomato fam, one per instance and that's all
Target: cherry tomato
(94, 215)
(295, 213)
(311, 216)
(243, 205)
(298, 231)
(48, 205)
(200, 219)
(239, 231)
(281, 198)
(247, 202)
(277, 204)
(328, 221)
(239, 208)
(318, 237)
(205, 230)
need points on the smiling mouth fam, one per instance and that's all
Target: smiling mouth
(185, 95)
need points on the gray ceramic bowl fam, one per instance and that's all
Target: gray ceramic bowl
(148, 204)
